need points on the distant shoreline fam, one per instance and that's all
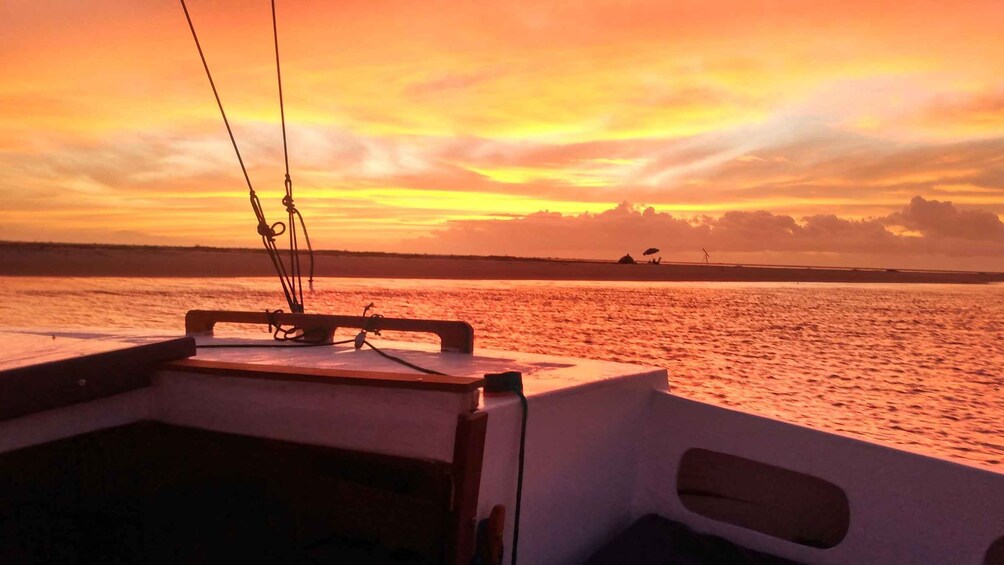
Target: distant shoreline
(94, 260)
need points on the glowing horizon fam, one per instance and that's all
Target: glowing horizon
(412, 125)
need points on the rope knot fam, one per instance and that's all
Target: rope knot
(287, 201)
(272, 318)
(270, 232)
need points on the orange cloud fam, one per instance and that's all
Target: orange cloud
(406, 117)
(942, 235)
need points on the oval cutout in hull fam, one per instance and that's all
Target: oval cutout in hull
(772, 500)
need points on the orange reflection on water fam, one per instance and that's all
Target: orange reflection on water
(917, 366)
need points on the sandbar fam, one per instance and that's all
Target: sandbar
(91, 260)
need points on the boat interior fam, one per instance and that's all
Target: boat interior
(125, 448)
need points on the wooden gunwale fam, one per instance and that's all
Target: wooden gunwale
(54, 384)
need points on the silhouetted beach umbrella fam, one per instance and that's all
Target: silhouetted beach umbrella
(650, 251)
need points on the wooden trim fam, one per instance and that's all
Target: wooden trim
(26, 390)
(455, 336)
(468, 459)
(412, 381)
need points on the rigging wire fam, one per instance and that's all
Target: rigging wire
(297, 337)
(519, 477)
(295, 345)
(291, 281)
(291, 210)
(386, 355)
(260, 345)
(371, 326)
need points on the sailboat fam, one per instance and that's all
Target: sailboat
(298, 447)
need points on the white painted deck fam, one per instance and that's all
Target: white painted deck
(25, 348)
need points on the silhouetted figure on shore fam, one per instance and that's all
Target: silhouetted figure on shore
(655, 261)
(626, 260)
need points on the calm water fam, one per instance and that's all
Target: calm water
(915, 366)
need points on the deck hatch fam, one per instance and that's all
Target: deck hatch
(772, 500)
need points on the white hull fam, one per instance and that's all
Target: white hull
(604, 447)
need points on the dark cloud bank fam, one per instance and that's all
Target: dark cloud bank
(924, 234)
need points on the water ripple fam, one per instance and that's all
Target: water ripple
(918, 366)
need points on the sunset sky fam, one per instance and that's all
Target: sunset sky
(832, 132)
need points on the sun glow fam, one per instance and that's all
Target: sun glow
(407, 118)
